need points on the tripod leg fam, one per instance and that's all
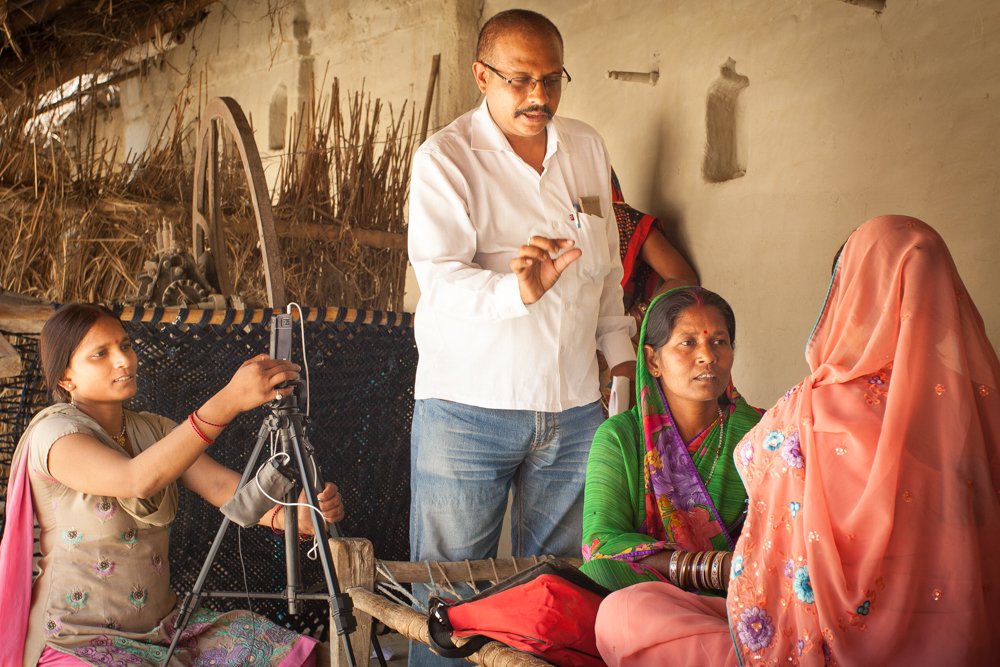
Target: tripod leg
(341, 606)
(293, 574)
(193, 599)
(376, 645)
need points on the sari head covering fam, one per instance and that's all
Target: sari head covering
(874, 482)
(694, 499)
(682, 511)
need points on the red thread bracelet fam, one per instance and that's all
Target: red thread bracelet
(197, 430)
(206, 422)
(279, 531)
(274, 515)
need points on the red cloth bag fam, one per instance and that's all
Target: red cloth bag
(548, 610)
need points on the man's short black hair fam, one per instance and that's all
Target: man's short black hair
(512, 20)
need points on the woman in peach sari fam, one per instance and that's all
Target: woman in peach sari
(873, 486)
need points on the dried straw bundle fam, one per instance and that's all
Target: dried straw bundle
(78, 223)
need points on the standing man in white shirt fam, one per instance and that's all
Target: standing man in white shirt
(515, 247)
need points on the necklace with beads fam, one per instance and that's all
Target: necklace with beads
(718, 447)
(121, 438)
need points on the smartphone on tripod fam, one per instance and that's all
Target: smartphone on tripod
(281, 337)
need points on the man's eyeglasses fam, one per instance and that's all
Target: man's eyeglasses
(523, 85)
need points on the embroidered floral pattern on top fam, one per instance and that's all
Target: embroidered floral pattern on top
(53, 626)
(72, 537)
(77, 598)
(130, 537)
(745, 452)
(103, 568)
(105, 508)
(737, 566)
(157, 563)
(138, 596)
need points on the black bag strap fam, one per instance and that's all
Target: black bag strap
(439, 632)
(439, 628)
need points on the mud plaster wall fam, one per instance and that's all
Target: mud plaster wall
(845, 114)
(848, 114)
(256, 51)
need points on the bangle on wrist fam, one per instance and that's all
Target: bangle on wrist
(672, 568)
(274, 515)
(208, 423)
(194, 426)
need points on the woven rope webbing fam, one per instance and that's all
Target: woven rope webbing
(361, 408)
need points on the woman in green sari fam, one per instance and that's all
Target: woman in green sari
(661, 477)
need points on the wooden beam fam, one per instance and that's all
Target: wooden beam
(354, 564)
(10, 360)
(18, 317)
(337, 231)
(413, 625)
(332, 232)
(405, 572)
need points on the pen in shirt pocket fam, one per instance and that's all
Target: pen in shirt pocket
(574, 215)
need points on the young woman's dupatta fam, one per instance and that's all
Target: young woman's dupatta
(16, 552)
(874, 483)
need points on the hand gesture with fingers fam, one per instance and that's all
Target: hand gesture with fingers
(538, 265)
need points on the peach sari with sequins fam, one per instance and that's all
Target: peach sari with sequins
(875, 516)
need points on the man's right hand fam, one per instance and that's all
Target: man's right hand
(535, 268)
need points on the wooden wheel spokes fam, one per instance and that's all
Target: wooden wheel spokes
(206, 218)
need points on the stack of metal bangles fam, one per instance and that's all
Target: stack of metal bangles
(699, 570)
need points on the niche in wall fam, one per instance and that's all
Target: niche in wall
(877, 5)
(725, 159)
(277, 119)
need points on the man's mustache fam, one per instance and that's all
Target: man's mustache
(535, 108)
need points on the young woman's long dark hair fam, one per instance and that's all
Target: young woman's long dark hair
(61, 335)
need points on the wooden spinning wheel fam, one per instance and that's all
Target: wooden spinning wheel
(206, 218)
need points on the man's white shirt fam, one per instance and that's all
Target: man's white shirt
(473, 203)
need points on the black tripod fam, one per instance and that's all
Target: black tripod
(285, 420)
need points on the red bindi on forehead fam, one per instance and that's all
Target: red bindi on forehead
(704, 332)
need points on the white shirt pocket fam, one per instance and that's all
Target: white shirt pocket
(593, 241)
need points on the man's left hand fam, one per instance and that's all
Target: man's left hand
(538, 265)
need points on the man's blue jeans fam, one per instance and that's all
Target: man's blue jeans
(464, 461)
